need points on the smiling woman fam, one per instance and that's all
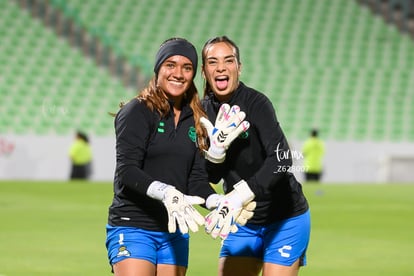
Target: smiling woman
(160, 170)
(262, 159)
(159, 145)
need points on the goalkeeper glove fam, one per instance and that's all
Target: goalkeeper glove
(235, 207)
(229, 124)
(179, 207)
(246, 213)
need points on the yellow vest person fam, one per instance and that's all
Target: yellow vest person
(80, 154)
(313, 151)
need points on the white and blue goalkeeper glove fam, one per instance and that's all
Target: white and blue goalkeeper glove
(229, 124)
(234, 207)
(179, 207)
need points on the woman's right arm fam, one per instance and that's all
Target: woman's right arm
(133, 124)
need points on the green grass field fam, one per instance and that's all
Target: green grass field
(58, 228)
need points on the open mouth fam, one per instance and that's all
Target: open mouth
(222, 82)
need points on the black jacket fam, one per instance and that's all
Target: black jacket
(151, 148)
(261, 157)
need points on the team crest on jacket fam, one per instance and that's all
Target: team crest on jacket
(244, 135)
(192, 133)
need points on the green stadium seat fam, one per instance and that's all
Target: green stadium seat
(352, 58)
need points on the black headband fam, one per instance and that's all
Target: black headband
(176, 47)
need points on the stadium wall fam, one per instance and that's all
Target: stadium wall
(366, 162)
(46, 158)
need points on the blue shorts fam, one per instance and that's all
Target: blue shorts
(155, 247)
(281, 243)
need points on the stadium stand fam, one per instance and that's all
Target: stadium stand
(334, 65)
(47, 86)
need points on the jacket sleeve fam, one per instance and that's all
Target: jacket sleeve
(276, 153)
(278, 158)
(133, 124)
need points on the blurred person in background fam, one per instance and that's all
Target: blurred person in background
(80, 154)
(160, 170)
(313, 152)
(275, 239)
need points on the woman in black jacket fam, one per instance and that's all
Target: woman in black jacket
(160, 170)
(275, 239)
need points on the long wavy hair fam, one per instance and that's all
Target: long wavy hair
(156, 100)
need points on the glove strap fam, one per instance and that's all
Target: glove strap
(157, 190)
(244, 191)
(217, 159)
(212, 201)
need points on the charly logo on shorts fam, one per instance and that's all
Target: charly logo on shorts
(283, 251)
(123, 251)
